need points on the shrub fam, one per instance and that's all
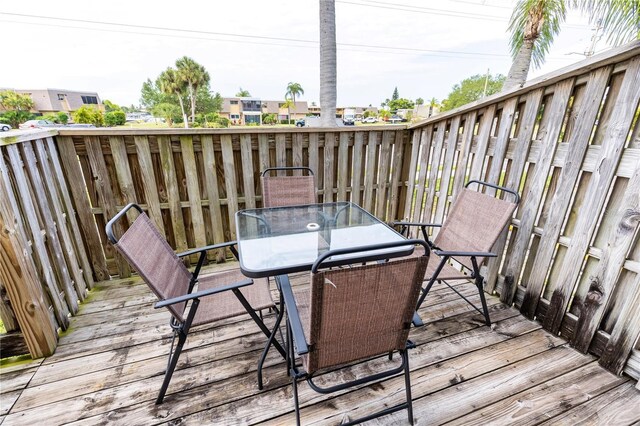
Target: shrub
(62, 118)
(88, 115)
(115, 118)
(14, 118)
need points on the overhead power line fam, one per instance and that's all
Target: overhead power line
(245, 38)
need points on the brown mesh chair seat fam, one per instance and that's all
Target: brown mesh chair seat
(279, 191)
(473, 225)
(353, 314)
(190, 298)
(226, 304)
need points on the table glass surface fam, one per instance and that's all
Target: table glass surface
(279, 240)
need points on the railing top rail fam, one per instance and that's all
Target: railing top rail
(617, 54)
(27, 135)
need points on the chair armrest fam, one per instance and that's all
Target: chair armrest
(299, 341)
(207, 248)
(464, 253)
(203, 293)
(426, 225)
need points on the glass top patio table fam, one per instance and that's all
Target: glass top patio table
(282, 240)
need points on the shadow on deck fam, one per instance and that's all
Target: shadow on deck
(109, 366)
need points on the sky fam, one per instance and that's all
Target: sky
(421, 47)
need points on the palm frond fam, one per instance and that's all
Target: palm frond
(620, 19)
(537, 21)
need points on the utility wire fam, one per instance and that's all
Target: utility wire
(310, 43)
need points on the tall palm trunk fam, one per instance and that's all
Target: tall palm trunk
(192, 97)
(328, 63)
(184, 113)
(520, 67)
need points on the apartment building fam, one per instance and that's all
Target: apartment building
(243, 111)
(60, 100)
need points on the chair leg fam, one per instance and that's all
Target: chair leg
(483, 300)
(407, 385)
(276, 328)
(425, 291)
(171, 365)
(291, 359)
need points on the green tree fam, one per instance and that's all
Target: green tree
(395, 95)
(471, 89)
(166, 110)
(269, 118)
(400, 103)
(288, 103)
(110, 106)
(206, 101)
(369, 113)
(243, 93)
(152, 94)
(535, 23)
(293, 90)
(193, 75)
(419, 101)
(18, 107)
(87, 114)
(433, 104)
(385, 114)
(171, 84)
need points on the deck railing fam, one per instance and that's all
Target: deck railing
(568, 141)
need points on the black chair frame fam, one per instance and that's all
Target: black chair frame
(296, 342)
(445, 256)
(181, 329)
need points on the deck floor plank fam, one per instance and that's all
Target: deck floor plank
(109, 366)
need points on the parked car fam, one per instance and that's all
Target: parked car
(36, 124)
(301, 122)
(395, 119)
(80, 125)
(4, 127)
(348, 121)
(369, 120)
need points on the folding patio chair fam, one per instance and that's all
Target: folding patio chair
(473, 225)
(278, 191)
(217, 296)
(354, 314)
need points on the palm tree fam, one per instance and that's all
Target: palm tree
(288, 103)
(243, 93)
(534, 24)
(328, 73)
(172, 84)
(194, 75)
(293, 90)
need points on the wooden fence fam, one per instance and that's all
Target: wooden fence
(568, 142)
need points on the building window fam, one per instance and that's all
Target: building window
(252, 119)
(61, 96)
(90, 100)
(234, 116)
(234, 102)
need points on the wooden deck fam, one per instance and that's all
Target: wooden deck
(108, 368)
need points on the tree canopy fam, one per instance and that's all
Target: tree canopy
(400, 103)
(17, 106)
(471, 89)
(187, 84)
(242, 93)
(395, 95)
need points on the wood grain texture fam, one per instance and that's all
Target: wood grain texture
(230, 182)
(20, 278)
(614, 138)
(29, 211)
(531, 200)
(149, 182)
(87, 224)
(579, 140)
(173, 194)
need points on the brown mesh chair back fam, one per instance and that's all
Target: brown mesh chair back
(278, 191)
(362, 311)
(474, 223)
(150, 254)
